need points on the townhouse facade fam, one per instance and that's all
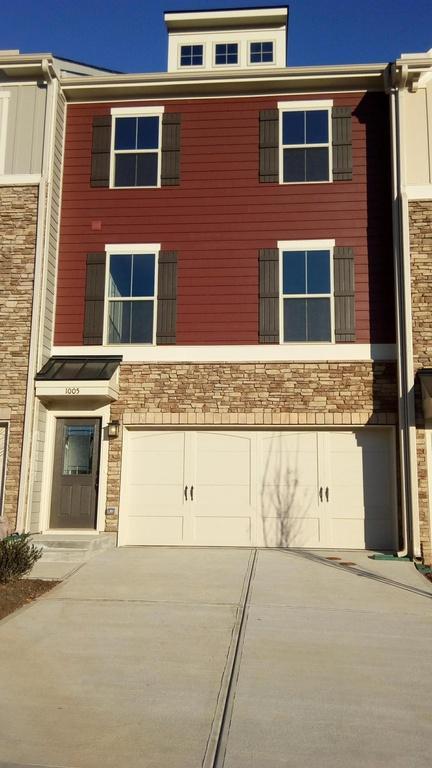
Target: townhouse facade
(225, 365)
(31, 145)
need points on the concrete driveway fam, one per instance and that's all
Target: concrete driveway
(128, 663)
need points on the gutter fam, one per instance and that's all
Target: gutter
(401, 255)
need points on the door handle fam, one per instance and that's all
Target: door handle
(185, 493)
(327, 493)
(321, 493)
(191, 492)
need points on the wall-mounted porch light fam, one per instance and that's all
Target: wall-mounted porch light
(114, 428)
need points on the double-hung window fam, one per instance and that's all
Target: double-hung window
(136, 147)
(305, 141)
(306, 301)
(191, 55)
(261, 53)
(226, 53)
(131, 294)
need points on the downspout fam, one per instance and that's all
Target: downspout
(405, 368)
(28, 427)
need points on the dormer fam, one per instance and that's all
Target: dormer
(210, 41)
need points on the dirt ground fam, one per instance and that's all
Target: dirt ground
(20, 592)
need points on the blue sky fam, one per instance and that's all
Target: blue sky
(129, 35)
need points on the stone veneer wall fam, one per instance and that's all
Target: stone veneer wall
(250, 394)
(420, 218)
(18, 221)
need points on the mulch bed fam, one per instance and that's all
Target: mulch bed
(18, 593)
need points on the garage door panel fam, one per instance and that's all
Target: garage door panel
(217, 531)
(223, 497)
(156, 459)
(359, 474)
(289, 489)
(288, 501)
(164, 497)
(291, 532)
(259, 488)
(155, 530)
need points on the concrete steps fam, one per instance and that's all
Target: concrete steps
(72, 548)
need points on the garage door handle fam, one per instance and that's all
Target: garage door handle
(321, 493)
(327, 493)
(185, 493)
(191, 492)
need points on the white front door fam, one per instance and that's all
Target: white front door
(250, 488)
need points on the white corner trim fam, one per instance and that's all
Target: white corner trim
(137, 111)
(19, 179)
(305, 245)
(114, 248)
(4, 110)
(305, 105)
(247, 353)
(422, 192)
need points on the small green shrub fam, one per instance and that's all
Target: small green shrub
(17, 556)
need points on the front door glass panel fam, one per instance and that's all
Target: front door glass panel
(78, 444)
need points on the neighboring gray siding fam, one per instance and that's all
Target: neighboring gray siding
(36, 490)
(25, 128)
(47, 335)
(48, 312)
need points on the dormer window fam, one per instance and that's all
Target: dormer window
(261, 53)
(226, 53)
(191, 55)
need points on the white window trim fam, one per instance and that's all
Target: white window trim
(230, 42)
(126, 249)
(187, 67)
(4, 110)
(305, 106)
(156, 111)
(305, 245)
(261, 63)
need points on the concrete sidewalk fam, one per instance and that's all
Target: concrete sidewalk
(122, 663)
(336, 665)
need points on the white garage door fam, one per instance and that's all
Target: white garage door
(241, 488)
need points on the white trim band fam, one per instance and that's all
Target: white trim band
(246, 353)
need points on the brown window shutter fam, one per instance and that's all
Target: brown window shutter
(170, 171)
(342, 143)
(344, 296)
(101, 151)
(167, 298)
(94, 298)
(269, 146)
(269, 296)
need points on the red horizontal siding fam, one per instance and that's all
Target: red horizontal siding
(220, 216)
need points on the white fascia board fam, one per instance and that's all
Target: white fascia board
(286, 75)
(248, 353)
(422, 192)
(20, 179)
(225, 17)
